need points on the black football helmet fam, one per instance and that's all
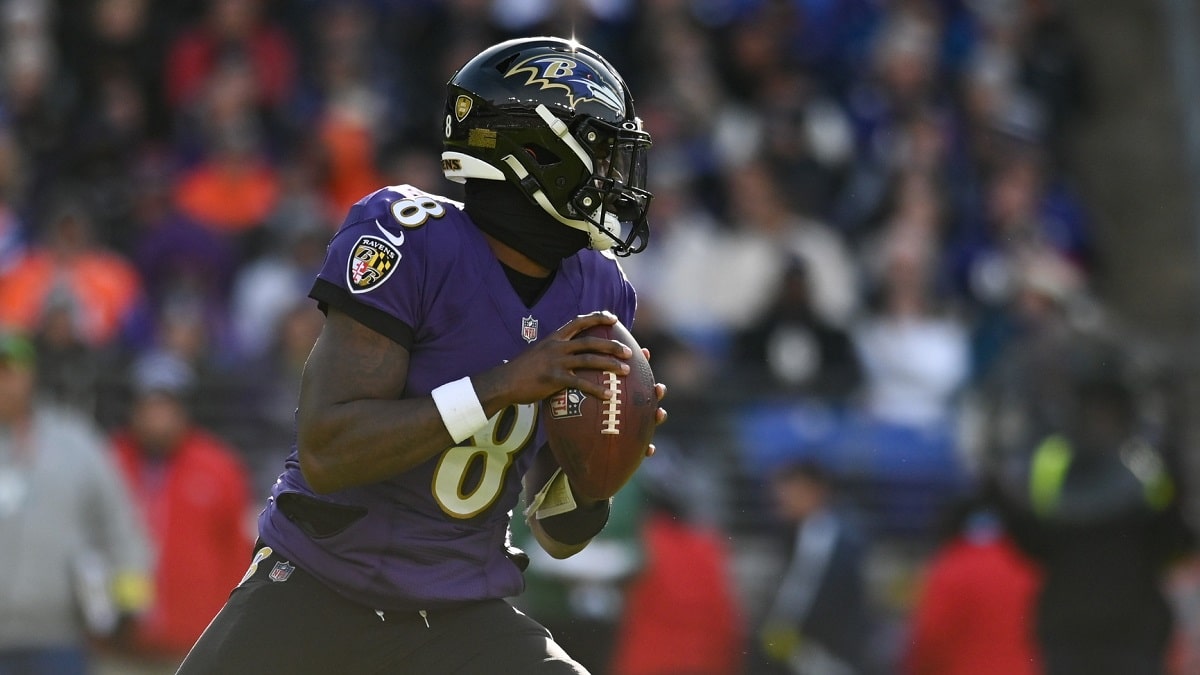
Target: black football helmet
(555, 119)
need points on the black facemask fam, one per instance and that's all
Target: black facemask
(500, 210)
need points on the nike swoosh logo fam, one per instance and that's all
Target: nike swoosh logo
(395, 241)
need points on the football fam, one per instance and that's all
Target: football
(600, 443)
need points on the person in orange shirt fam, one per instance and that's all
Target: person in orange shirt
(193, 494)
(234, 189)
(105, 286)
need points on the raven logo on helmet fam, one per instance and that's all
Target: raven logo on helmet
(578, 79)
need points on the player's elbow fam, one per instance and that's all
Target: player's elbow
(557, 549)
(316, 468)
(316, 472)
(562, 552)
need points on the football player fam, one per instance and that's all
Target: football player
(384, 546)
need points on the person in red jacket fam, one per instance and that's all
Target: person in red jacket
(681, 612)
(975, 612)
(193, 494)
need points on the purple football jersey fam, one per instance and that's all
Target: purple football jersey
(414, 267)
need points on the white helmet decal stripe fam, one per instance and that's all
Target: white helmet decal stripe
(560, 129)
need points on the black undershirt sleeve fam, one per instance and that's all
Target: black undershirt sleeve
(580, 525)
(575, 526)
(329, 295)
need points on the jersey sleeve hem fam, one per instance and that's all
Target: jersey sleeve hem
(329, 295)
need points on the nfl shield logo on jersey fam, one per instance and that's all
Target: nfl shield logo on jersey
(281, 571)
(529, 328)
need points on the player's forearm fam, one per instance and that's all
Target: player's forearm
(367, 441)
(577, 527)
(354, 425)
(569, 530)
(342, 445)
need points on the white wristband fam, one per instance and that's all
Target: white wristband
(460, 408)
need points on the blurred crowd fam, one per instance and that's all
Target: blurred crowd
(869, 268)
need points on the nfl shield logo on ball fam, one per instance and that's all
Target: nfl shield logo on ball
(567, 403)
(281, 571)
(529, 328)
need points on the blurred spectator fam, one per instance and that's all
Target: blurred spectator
(105, 148)
(174, 255)
(974, 615)
(915, 356)
(1183, 589)
(104, 285)
(1025, 214)
(807, 137)
(234, 186)
(12, 172)
(193, 495)
(770, 234)
(104, 40)
(818, 623)
(791, 350)
(1099, 511)
(354, 110)
(834, 40)
(232, 31)
(1032, 51)
(112, 53)
(266, 288)
(681, 613)
(36, 102)
(679, 88)
(685, 360)
(889, 107)
(682, 273)
(714, 281)
(272, 386)
(1024, 351)
(75, 560)
(69, 369)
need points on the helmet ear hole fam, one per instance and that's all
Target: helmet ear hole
(542, 155)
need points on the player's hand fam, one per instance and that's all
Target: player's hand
(660, 391)
(549, 365)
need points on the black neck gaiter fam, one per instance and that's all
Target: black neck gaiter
(502, 211)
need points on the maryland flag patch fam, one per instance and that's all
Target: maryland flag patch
(370, 264)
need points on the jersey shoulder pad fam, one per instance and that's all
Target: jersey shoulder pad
(406, 216)
(402, 205)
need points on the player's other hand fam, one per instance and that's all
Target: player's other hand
(660, 391)
(550, 365)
